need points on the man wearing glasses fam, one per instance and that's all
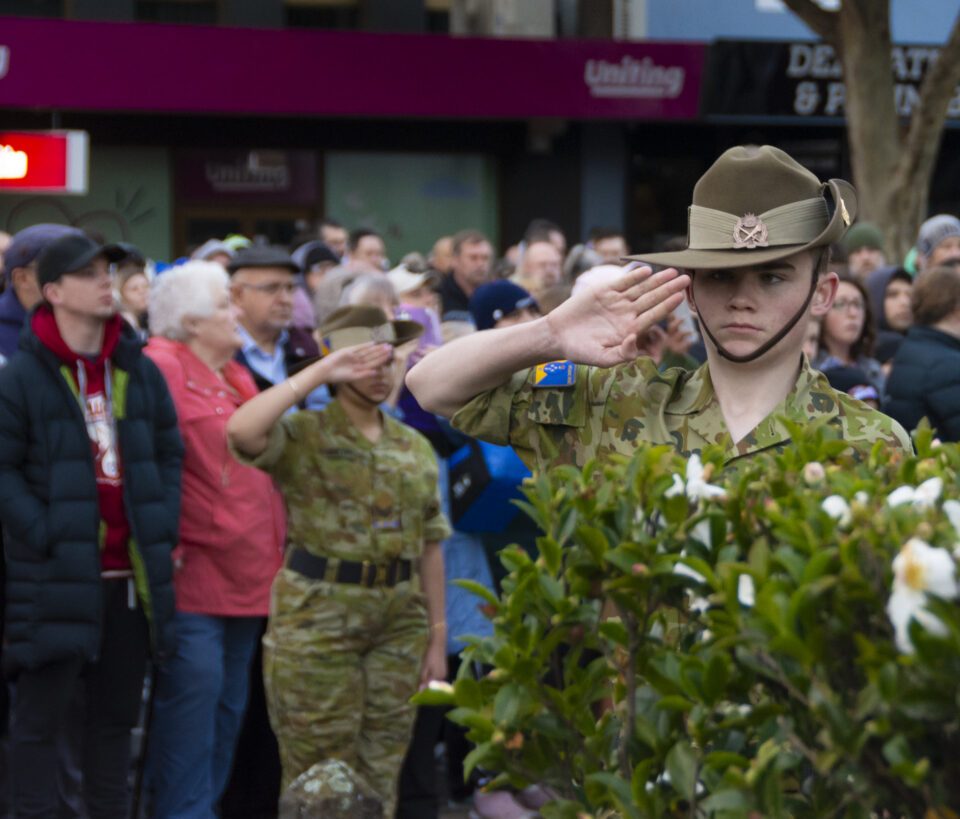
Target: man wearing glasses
(263, 284)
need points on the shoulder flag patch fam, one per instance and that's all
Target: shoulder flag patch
(555, 374)
(324, 346)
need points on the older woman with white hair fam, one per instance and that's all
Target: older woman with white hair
(232, 530)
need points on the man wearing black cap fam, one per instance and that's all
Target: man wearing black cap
(89, 500)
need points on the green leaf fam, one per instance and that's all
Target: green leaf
(428, 696)
(511, 700)
(725, 800)
(551, 553)
(467, 693)
(681, 764)
(675, 703)
(483, 755)
(618, 791)
(721, 760)
(479, 590)
(562, 809)
(716, 677)
(594, 540)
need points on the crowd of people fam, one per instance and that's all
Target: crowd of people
(219, 468)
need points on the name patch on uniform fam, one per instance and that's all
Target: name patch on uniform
(555, 374)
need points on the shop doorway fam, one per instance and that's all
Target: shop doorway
(275, 225)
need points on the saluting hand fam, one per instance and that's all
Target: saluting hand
(353, 363)
(605, 325)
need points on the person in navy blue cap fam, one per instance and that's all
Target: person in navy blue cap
(22, 292)
(502, 304)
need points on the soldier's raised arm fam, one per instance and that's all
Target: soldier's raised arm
(598, 326)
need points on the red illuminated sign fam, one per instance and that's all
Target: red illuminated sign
(43, 161)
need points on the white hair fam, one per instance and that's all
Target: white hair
(366, 288)
(189, 289)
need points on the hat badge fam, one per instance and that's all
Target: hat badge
(749, 232)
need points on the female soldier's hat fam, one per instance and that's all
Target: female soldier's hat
(360, 324)
(756, 204)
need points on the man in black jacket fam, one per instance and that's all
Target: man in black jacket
(89, 500)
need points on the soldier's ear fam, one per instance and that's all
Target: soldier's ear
(691, 303)
(825, 293)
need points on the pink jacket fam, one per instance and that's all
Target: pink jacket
(232, 522)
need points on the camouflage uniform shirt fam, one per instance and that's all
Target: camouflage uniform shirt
(349, 498)
(618, 409)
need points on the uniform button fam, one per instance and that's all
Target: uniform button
(219, 410)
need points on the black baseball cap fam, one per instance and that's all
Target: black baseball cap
(72, 253)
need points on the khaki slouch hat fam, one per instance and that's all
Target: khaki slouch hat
(756, 204)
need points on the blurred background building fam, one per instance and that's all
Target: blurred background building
(419, 117)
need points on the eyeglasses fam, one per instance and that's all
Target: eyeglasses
(273, 288)
(842, 305)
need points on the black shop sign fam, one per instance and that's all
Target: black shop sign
(789, 79)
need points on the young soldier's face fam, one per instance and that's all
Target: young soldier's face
(746, 306)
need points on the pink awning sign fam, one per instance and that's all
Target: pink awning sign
(93, 66)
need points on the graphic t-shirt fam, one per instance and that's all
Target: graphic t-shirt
(91, 376)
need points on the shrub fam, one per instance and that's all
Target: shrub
(698, 641)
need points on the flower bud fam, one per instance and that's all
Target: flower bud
(814, 472)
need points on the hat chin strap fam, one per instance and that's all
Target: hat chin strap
(363, 397)
(772, 342)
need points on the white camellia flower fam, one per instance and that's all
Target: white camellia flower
(440, 685)
(923, 497)
(838, 509)
(951, 509)
(919, 570)
(746, 591)
(695, 487)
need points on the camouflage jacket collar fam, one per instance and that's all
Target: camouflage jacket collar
(810, 399)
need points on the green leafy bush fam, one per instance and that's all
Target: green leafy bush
(747, 663)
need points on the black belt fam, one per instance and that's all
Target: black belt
(362, 573)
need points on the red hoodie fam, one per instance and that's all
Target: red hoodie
(91, 382)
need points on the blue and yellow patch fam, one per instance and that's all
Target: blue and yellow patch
(325, 346)
(555, 374)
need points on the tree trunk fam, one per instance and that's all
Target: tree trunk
(872, 125)
(893, 160)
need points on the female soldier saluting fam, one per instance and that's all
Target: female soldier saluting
(357, 614)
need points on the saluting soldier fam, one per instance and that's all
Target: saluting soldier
(357, 613)
(754, 272)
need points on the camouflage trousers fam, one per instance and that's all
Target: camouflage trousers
(340, 663)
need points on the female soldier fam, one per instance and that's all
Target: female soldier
(357, 615)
